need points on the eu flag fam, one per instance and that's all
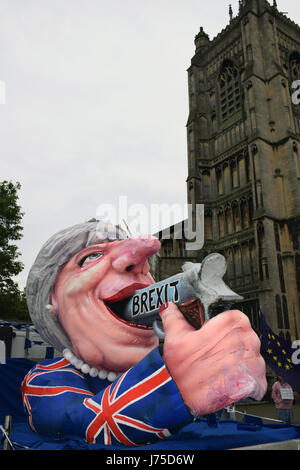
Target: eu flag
(279, 355)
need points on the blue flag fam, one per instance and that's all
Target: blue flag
(279, 355)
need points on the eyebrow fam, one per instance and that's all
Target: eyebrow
(88, 249)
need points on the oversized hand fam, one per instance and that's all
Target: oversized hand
(216, 365)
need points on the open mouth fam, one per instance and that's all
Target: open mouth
(116, 304)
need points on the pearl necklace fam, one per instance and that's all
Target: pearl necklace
(86, 369)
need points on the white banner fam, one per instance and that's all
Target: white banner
(287, 393)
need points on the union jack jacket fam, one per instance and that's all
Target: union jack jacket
(141, 406)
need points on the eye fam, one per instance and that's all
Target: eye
(89, 258)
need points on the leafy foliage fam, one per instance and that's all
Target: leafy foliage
(12, 300)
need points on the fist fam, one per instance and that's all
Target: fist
(216, 365)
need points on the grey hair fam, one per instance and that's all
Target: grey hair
(57, 251)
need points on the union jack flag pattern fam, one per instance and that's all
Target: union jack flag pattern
(142, 406)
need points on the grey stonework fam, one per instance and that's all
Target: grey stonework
(243, 146)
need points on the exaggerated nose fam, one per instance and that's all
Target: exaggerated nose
(132, 254)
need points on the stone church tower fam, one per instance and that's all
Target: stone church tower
(243, 143)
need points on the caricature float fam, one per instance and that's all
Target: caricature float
(90, 294)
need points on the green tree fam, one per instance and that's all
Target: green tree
(12, 300)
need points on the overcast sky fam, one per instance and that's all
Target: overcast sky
(97, 103)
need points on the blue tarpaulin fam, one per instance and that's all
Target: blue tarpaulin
(200, 435)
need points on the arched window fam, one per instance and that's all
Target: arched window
(229, 89)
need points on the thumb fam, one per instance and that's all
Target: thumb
(173, 321)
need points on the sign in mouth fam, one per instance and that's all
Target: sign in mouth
(117, 302)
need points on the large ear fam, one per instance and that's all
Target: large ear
(213, 268)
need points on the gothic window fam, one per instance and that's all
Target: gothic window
(277, 238)
(230, 265)
(229, 89)
(181, 246)
(206, 183)
(250, 202)
(219, 175)
(228, 219)
(281, 335)
(246, 263)
(296, 159)
(221, 223)
(247, 168)
(252, 253)
(238, 264)
(281, 275)
(234, 175)
(260, 199)
(297, 262)
(285, 312)
(226, 173)
(261, 251)
(236, 217)
(244, 214)
(294, 66)
(279, 311)
(208, 224)
(167, 248)
(288, 337)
